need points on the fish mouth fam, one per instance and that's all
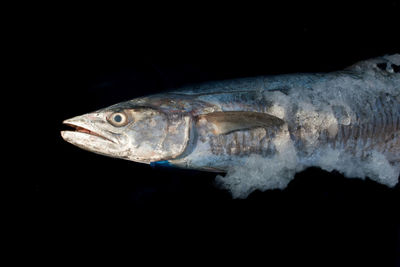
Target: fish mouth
(80, 128)
(85, 134)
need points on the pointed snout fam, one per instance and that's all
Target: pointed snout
(86, 129)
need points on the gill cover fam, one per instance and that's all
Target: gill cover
(157, 136)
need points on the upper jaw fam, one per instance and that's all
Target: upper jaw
(85, 131)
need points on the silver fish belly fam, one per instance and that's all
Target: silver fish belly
(270, 127)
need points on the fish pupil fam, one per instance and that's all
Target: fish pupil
(117, 118)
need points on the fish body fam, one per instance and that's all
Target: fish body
(347, 120)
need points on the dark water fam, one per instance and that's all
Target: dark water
(78, 202)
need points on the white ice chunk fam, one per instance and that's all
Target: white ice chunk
(262, 173)
(321, 106)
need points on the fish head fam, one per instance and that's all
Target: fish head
(138, 133)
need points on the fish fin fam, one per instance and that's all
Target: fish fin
(389, 63)
(231, 121)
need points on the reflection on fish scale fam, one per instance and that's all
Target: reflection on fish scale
(244, 143)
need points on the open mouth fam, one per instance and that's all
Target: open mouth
(86, 131)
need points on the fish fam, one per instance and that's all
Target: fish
(262, 130)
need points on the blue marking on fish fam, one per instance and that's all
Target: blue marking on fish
(161, 163)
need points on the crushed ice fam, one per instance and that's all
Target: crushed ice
(324, 106)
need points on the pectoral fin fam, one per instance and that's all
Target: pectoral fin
(230, 121)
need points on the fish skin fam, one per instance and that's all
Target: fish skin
(356, 110)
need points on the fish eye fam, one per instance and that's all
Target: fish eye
(118, 119)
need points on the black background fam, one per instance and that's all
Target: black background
(82, 59)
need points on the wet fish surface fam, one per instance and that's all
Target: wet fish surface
(260, 131)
